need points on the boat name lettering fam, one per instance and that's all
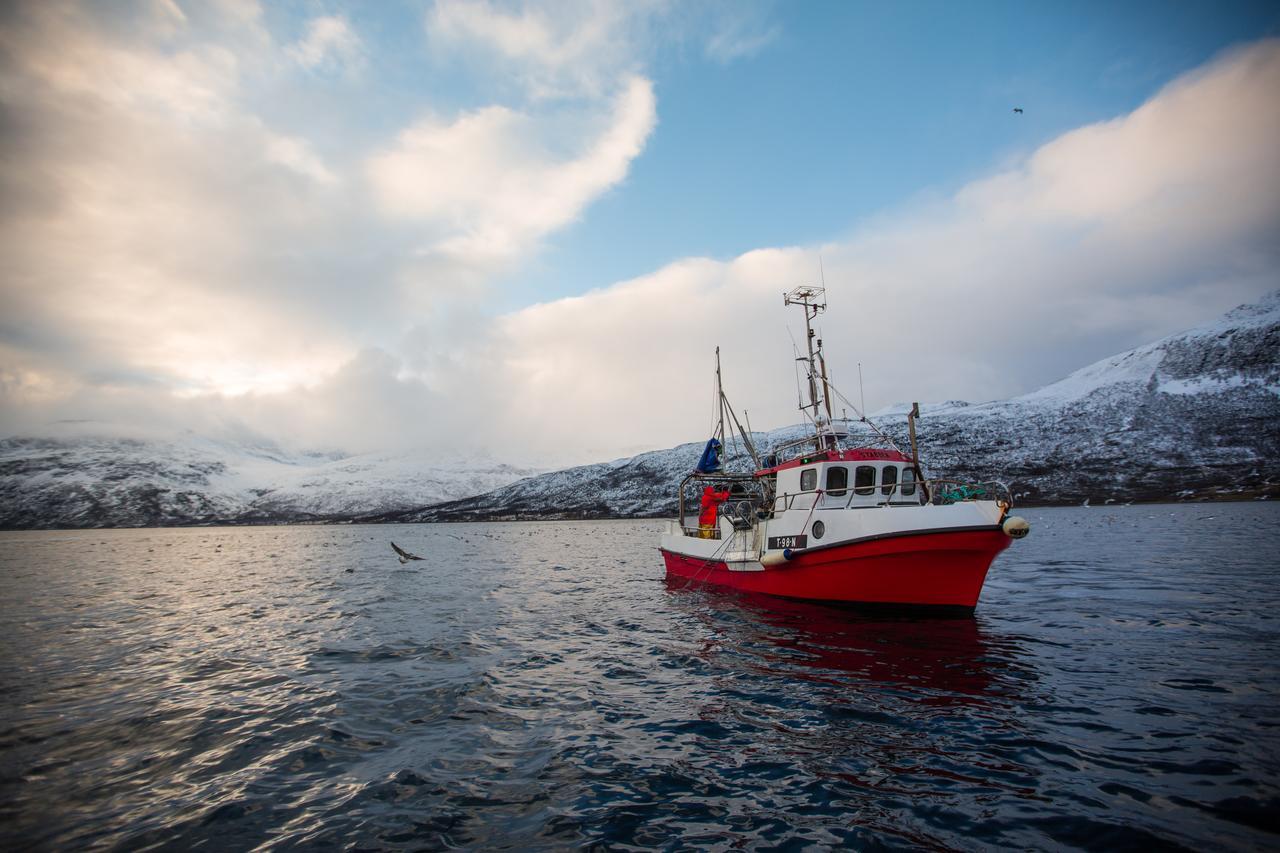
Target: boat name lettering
(778, 542)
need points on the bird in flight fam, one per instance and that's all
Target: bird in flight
(1018, 110)
(405, 556)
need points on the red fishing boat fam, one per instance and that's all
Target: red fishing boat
(830, 517)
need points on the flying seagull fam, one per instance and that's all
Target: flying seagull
(405, 556)
(1018, 110)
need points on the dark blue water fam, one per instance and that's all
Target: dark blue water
(541, 686)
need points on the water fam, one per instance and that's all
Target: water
(541, 686)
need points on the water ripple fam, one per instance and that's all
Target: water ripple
(539, 686)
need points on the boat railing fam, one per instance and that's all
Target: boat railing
(808, 445)
(743, 486)
(937, 492)
(701, 533)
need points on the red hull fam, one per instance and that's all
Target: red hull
(941, 569)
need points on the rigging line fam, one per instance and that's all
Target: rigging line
(795, 368)
(709, 563)
(817, 496)
(715, 392)
(726, 406)
(720, 401)
(865, 420)
(746, 439)
(732, 439)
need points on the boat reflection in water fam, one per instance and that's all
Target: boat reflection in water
(937, 661)
(906, 726)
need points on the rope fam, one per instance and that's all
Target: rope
(709, 563)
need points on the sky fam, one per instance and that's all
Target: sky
(522, 229)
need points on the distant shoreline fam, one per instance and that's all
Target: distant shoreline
(503, 519)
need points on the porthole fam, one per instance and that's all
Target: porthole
(818, 529)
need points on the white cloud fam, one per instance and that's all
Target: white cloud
(573, 48)
(142, 208)
(239, 12)
(297, 155)
(172, 252)
(738, 31)
(580, 48)
(1103, 239)
(191, 84)
(490, 183)
(725, 47)
(329, 41)
(169, 249)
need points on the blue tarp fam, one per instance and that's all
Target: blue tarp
(710, 461)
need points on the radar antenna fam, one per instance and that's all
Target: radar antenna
(813, 300)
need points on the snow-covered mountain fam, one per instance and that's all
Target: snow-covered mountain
(1193, 416)
(95, 475)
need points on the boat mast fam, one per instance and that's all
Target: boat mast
(915, 449)
(826, 386)
(813, 301)
(726, 407)
(719, 401)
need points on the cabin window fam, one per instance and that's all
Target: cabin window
(837, 480)
(864, 480)
(888, 479)
(808, 479)
(908, 482)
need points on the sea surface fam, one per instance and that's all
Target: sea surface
(541, 686)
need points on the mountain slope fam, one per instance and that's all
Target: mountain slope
(1194, 415)
(90, 475)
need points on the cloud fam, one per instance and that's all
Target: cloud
(57, 48)
(490, 182)
(142, 205)
(176, 231)
(191, 236)
(739, 31)
(329, 42)
(297, 155)
(581, 48)
(1102, 239)
(574, 48)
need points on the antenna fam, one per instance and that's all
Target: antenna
(813, 301)
(822, 274)
(862, 395)
(795, 367)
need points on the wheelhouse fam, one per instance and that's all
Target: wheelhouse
(844, 479)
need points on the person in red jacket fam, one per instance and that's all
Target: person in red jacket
(711, 500)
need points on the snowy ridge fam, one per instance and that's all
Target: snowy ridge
(1190, 416)
(1211, 358)
(97, 475)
